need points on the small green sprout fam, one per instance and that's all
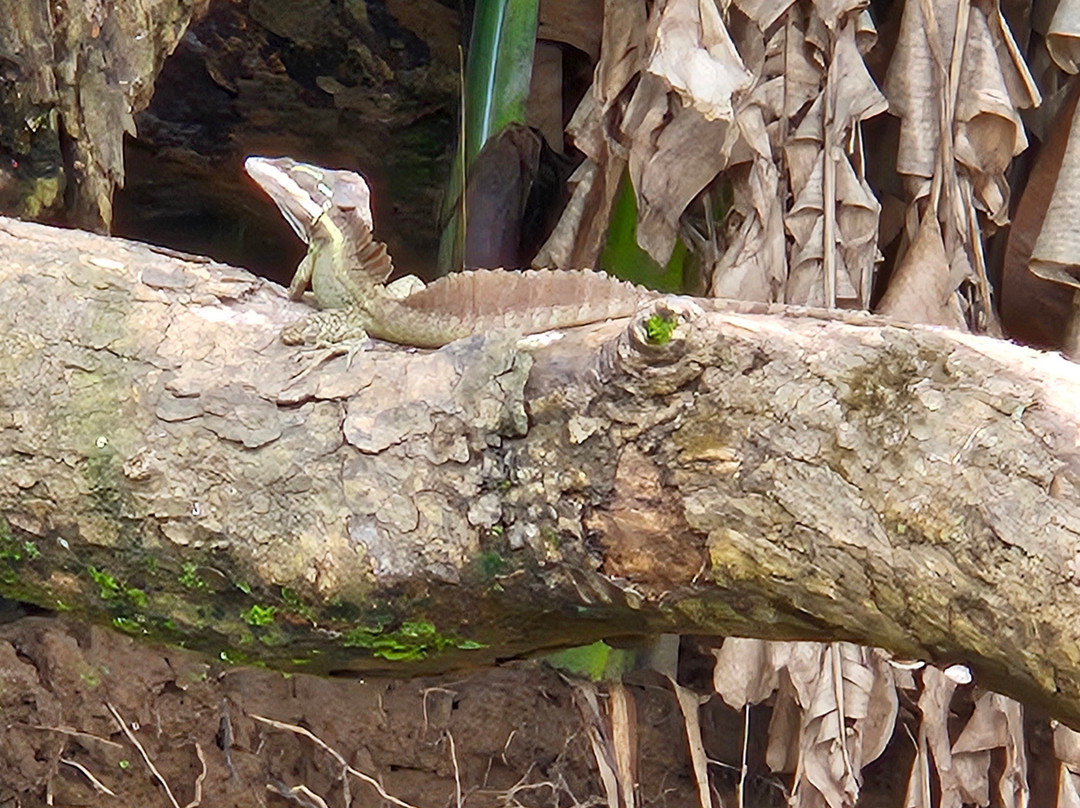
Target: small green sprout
(259, 615)
(107, 584)
(295, 604)
(492, 564)
(658, 329)
(190, 577)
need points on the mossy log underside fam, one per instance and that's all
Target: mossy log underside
(167, 465)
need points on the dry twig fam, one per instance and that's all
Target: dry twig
(197, 799)
(146, 758)
(457, 771)
(371, 781)
(99, 786)
(74, 733)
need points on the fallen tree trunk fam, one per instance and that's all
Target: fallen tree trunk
(168, 465)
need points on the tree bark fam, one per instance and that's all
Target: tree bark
(75, 73)
(167, 464)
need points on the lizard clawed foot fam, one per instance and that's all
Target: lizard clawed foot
(331, 334)
(322, 355)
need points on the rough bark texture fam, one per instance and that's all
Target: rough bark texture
(74, 75)
(166, 463)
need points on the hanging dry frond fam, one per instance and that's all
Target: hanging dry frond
(1063, 37)
(957, 82)
(1067, 751)
(997, 722)
(834, 711)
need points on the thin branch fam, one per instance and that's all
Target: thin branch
(301, 795)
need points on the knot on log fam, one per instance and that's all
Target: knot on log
(662, 346)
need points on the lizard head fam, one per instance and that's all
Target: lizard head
(304, 193)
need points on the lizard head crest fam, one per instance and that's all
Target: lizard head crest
(303, 193)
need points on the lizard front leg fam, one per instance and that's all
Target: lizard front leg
(302, 277)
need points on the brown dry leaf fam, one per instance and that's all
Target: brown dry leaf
(1063, 38)
(689, 703)
(878, 714)
(575, 22)
(1057, 249)
(834, 214)
(836, 733)
(989, 90)
(1068, 789)
(622, 49)
(834, 712)
(578, 237)
(934, 726)
(754, 264)
(693, 53)
(920, 290)
(624, 724)
(957, 72)
(826, 759)
(918, 788)
(674, 153)
(1067, 746)
(763, 13)
(585, 699)
(831, 11)
(1067, 751)
(677, 122)
(784, 749)
(1035, 310)
(998, 721)
(989, 131)
(705, 102)
(744, 672)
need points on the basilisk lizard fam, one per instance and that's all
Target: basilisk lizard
(347, 268)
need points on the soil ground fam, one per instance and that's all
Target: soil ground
(517, 735)
(505, 736)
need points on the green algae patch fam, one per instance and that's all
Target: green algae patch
(491, 565)
(415, 639)
(295, 605)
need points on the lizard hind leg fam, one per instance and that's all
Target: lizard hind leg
(325, 328)
(331, 334)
